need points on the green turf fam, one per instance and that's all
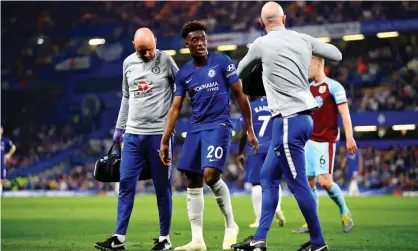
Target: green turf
(381, 223)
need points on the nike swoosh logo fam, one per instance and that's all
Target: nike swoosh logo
(255, 243)
(113, 245)
(318, 249)
(188, 81)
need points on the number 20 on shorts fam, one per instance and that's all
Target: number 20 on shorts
(216, 152)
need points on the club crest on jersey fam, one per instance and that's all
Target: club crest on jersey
(322, 89)
(143, 88)
(211, 73)
(156, 70)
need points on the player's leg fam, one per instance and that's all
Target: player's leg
(190, 164)
(296, 131)
(353, 189)
(215, 147)
(312, 184)
(162, 179)
(253, 168)
(311, 156)
(281, 220)
(132, 162)
(256, 196)
(326, 166)
(222, 196)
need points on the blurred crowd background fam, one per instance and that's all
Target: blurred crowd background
(59, 108)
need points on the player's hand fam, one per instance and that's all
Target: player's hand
(351, 146)
(165, 154)
(240, 161)
(252, 141)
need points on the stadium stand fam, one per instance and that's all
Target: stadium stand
(52, 60)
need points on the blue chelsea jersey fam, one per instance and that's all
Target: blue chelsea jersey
(6, 145)
(262, 123)
(208, 87)
(352, 160)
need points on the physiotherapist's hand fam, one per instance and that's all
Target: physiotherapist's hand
(118, 135)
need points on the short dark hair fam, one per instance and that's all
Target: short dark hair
(192, 26)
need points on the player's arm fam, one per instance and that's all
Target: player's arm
(172, 117)
(234, 82)
(244, 105)
(250, 61)
(241, 147)
(348, 128)
(124, 105)
(338, 93)
(11, 151)
(324, 50)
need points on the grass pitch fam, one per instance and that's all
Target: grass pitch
(75, 223)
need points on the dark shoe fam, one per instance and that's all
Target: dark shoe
(309, 247)
(161, 245)
(250, 244)
(112, 243)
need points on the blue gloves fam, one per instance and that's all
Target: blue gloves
(118, 135)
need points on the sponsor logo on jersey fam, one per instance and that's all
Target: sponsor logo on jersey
(340, 95)
(231, 70)
(209, 87)
(230, 67)
(144, 88)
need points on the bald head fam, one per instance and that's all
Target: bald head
(145, 44)
(272, 12)
(144, 36)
